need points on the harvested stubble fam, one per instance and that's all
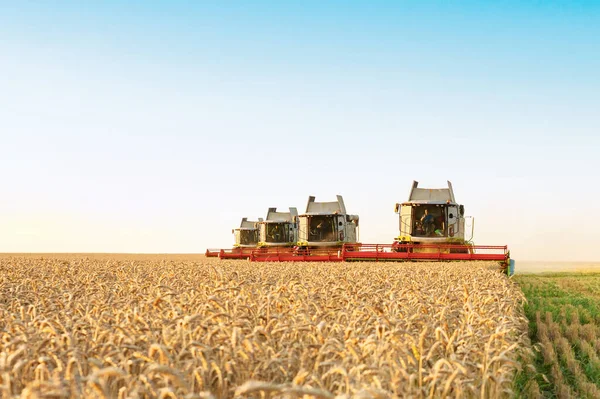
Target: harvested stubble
(209, 328)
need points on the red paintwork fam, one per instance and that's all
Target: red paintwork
(371, 252)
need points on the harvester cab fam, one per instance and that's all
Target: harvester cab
(246, 235)
(326, 224)
(432, 216)
(279, 229)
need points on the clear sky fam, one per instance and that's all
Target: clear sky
(156, 126)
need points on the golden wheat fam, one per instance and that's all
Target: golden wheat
(203, 328)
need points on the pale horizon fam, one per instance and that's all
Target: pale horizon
(155, 127)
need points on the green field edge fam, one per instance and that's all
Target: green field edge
(544, 294)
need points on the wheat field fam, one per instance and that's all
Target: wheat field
(125, 327)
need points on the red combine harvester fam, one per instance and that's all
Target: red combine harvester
(432, 228)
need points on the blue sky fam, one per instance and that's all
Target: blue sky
(156, 126)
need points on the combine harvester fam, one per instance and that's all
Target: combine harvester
(280, 229)
(432, 227)
(323, 229)
(432, 217)
(246, 240)
(326, 225)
